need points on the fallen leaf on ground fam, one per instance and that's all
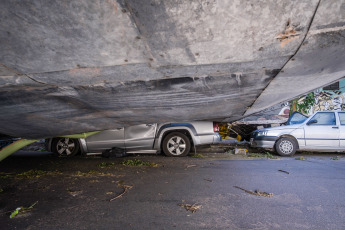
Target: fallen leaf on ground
(74, 192)
(191, 207)
(22, 210)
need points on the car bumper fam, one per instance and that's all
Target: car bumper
(216, 138)
(207, 139)
(263, 142)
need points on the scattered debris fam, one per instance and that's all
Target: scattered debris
(74, 192)
(241, 151)
(198, 156)
(126, 188)
(256, 193)
(189, 166)
(22, 210)
(105, 164)
(5, 175)
(191, 207)
(209, 180)
(36, 174)
(283, 171)
(91, 173)
(120, 182)
(137, 162)
(301, 158)
(335, 158)
(230, 151)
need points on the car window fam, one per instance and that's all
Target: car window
(342, 118)
(296, 118)
(324, 119)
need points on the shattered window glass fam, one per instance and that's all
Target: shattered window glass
(296, 118)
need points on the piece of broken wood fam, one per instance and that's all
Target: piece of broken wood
(189, 166)
(256, 193)
(283, 171)
(126, 188)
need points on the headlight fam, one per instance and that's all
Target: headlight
(262, 133)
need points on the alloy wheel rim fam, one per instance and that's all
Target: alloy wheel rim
(286, 147)
(65, 146)
(176, 145)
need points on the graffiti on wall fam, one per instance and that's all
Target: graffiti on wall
(329, 100)
(324, 100)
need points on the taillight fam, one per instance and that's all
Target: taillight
(215, 127)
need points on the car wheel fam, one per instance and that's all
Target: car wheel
(65, 147)
(286, 146)
(176, 145)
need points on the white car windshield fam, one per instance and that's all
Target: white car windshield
(296, 118)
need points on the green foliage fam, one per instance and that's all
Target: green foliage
(22, 210)
(137, 162)
(301, 158)
(4, 176)
(32, 174)
(303, 105)
(105, 164)
(262, 155)
(91, 173)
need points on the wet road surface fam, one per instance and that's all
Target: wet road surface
(75, 193)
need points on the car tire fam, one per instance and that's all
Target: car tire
(286, 146)
(176, 144)
(65, 147)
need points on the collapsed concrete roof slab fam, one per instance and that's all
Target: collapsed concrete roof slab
(78, 66)
(319, 61)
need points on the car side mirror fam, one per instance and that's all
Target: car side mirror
(313, 121)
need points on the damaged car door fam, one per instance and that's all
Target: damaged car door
(107, 139)
(140, 137)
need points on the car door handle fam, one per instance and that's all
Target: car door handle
(149, 125)
(335, 127)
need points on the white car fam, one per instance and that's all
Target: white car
(321, 131)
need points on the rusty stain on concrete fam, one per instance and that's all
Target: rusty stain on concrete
(288, 35)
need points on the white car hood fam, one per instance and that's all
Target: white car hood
(285, 127)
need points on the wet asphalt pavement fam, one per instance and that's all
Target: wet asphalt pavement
(75, 193)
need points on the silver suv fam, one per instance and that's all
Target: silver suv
(175, 139)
